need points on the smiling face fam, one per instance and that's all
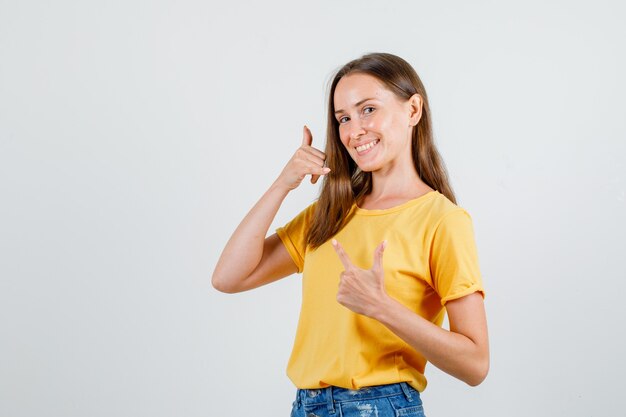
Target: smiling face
(375, 125)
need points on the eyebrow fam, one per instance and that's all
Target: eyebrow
(356, 105)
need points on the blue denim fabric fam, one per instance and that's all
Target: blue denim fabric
(393, 400)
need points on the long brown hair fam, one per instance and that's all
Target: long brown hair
(346, 183)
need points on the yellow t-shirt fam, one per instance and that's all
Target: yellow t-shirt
(430, 258)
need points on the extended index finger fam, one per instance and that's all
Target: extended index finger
(343, 256)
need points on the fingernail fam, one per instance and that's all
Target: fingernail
(326, 169)
(334, 242)
(384, 243)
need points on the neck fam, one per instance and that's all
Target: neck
(397, 180)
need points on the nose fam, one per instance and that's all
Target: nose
(356, 131)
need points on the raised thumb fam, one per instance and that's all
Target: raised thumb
(378, 256)
(307, 137)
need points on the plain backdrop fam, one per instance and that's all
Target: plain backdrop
(135, 135)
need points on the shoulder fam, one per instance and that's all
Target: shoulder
(443, 219)
(303, 218)
(440, 209)
(309, 211)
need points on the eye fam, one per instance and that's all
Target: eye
(365, 110)
(340, 120)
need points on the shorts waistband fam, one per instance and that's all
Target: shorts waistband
(332, 394)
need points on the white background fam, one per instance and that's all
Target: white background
(135, 135)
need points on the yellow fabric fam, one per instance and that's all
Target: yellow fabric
(430, 258)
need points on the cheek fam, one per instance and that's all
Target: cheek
(377, 122)
(383, 123)
(371, 123)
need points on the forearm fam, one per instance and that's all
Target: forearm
(453, 353)
(244, 249)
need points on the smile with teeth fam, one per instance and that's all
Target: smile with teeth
(367, 146)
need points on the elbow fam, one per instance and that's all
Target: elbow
(478, 374)
(476, 380)
(222, 285)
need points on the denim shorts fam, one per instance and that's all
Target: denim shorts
(392, 400)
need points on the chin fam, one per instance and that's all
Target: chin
(368, 167)
(369, 164)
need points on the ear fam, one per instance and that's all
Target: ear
(415, 109)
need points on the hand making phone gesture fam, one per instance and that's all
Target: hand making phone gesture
(306, 160)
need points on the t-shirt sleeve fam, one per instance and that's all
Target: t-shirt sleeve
(293, 235)
(454, 259)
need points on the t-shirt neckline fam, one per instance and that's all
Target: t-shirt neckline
(409, 203)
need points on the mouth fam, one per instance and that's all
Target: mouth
(365, 148)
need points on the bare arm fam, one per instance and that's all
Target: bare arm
(248, 246)
(462, 352)
(249, 259)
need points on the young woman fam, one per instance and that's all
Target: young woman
(384, 251)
